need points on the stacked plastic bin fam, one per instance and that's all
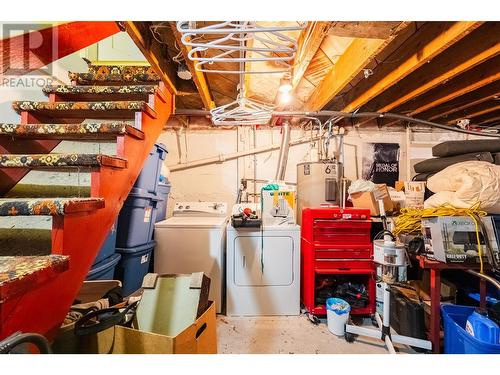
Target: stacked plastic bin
(106, 260)
(163, 192)
(136, 223)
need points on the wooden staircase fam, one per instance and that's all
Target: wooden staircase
(128, 105)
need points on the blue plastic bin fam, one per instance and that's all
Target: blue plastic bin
(133, 266)
(150, 174)
(161, 207)
(136, 219)
(108, 247)
(105, 269)
(456, 339)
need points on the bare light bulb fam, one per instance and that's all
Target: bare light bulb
(285, 88)
(285, 85)
(285, 97)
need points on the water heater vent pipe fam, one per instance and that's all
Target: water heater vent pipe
(284, 147)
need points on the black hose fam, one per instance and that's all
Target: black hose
(383, 115)
(18, 338)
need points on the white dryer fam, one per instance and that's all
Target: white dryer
(263, 269)
(193, 240)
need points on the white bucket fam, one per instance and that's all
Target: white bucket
(337, 315)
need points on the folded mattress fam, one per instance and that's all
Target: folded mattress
(451, 148)
(438, 164)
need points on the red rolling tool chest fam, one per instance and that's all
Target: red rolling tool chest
(336, 242)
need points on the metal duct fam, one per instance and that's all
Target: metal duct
(283, 157)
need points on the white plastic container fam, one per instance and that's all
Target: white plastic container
(337, 315)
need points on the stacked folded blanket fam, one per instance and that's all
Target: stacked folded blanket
(453, 152)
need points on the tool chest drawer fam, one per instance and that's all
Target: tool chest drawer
(336, 253)
(342, 264)
(346, 232)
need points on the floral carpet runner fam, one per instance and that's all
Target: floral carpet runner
(105, 73)
(53, 160)
(112, 128)
(21, 273)
(39, 206)
(72, 106)
(131, 89)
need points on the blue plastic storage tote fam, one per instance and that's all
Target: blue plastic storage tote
(150, 174)
(161, 208)
(136, 219)
(105, 269)
(108, 247)
(456, 339)
(133, 266)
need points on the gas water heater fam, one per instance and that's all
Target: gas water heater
(318, 183)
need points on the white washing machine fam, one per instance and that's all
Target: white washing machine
(263, 269)
(194, 240)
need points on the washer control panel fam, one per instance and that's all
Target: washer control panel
(200, 209)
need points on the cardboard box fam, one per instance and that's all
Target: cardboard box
(199, 338)
(370, 200)
(399, 185)
(453, 239)
(398, 199)
(415, 194)
(168, 321)
(422, 287)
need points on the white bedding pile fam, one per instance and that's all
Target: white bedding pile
(464, 184)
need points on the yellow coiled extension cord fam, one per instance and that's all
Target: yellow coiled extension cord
(410, 220)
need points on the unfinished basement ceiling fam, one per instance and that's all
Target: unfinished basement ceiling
(437, 71)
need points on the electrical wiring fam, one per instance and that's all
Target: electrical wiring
(410, 220)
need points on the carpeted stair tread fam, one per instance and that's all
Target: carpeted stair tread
(19, 274)
(99, 130)
(59, 160)
(117, 92)
(127, 89)
(47, 206)
(137, 105)
(121, 109)
(115, 73)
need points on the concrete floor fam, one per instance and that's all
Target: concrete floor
(287, 335)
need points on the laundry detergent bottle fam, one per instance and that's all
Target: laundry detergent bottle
(483, 328)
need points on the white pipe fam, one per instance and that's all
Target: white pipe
(255, 165)
(283, 156)
(222, 158)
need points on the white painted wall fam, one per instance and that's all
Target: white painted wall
(220, 181)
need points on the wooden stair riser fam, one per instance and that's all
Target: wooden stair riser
(81, 235)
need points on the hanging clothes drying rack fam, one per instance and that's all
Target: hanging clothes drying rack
(273, 45)
(252, 43)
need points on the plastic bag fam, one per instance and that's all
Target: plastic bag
(338, 306)
(361, 185)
